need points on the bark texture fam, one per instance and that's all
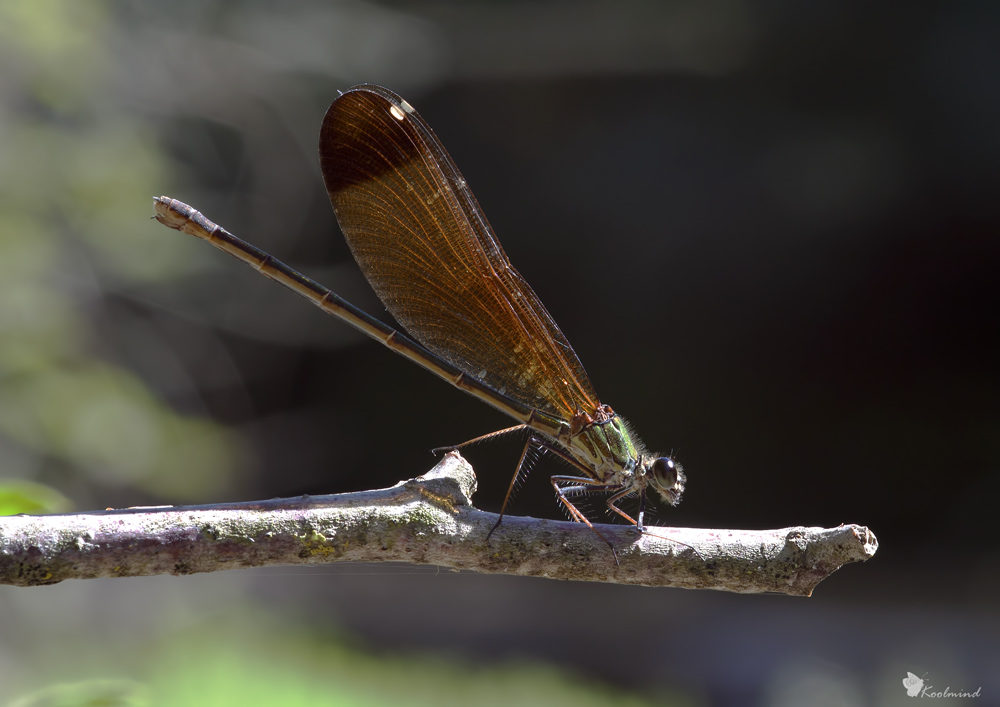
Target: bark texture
(427, 520)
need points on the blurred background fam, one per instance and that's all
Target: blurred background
(767, 228)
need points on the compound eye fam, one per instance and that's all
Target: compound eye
(664, 473)
(668, 479)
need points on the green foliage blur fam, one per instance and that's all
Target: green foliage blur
(75, 180)
(244, 660)
(29, 497)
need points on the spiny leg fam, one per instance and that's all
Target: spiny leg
(622, 493)
(612, 504)
(581, 485)
(567, 486)
(481, 438)
(642, 509)
(525, 459)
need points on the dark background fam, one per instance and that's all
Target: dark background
(768, 229)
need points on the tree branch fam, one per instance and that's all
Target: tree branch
(427, 520)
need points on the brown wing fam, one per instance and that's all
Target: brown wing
(427, 249)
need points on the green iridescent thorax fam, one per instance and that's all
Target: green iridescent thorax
(604, 444)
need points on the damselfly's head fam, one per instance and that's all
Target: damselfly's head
(667, 477)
